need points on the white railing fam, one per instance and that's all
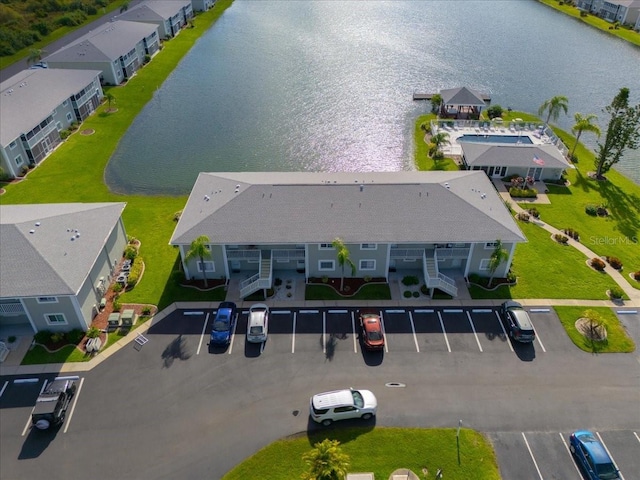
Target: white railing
(435, 279)
(255, 285)
(233, 254)
(406, 252)
(451, 253)
(288, 254)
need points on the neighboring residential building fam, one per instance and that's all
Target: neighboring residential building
(118, 49)
(541, 162)
(57, 261)
(258, 222)
(627, 12)
(169, 15)
(36, 106)
(202, 5)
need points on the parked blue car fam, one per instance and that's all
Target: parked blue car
(592, 456)
(223, 324)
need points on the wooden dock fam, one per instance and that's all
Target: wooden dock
(422, 96)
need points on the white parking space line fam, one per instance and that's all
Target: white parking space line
(338, 311)
(504, 331)
(538, 338)
(353, 327)
(73, 407)
(611, 456)
(444, 332)
(193, 313)
(535, 464)
(637, 437)
(26, 427)
(4, 387)
(566, 447)
(324, 332)
(309, 311)
(415, 337)
(233, 334)
(481, 310)
(204, 327)
(474, 331)
(423, 310)
(293, 334)
(384, 334)
(452, 310)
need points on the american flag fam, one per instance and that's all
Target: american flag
(538, 160)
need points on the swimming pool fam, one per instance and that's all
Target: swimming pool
(511, 139)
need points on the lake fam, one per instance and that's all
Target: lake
(327, 85)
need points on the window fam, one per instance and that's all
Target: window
(65, 103)
(490, 245)
(12, 145)
(58, 126)
(326, 265)
(368, 246)
(47, 300)
(325, 246)
(484, 264)
(367, 264)
(19, 160)
(55, 319)
(69, 117)
(344, 409)
(208, 266)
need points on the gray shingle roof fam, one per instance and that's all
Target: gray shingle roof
(106, 44)
(462, 96)
(301, 207)
(482, 154)
(154, 10)
(47, 262)
(42, 90)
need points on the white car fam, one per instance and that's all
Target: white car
(328, 407)
(258, 325)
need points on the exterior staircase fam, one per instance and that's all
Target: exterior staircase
(435, 279)
(260, 280)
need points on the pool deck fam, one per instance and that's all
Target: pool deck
(538, 134)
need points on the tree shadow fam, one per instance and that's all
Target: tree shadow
(177, 349)
(624, 207)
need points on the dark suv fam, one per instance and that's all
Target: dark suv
(51, 405)
(518, 322)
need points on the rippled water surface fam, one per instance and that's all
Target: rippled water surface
(327, 85)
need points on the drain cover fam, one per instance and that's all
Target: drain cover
(395, 385)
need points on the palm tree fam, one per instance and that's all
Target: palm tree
(200, 250)
(35, 55)
(326, 461)
(498, 256)
(583, 124)
(438, 140)
(553, 106)
(110, 99)
(342, 253)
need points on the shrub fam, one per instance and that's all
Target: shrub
(24, 170)
(42, 336)
(367, 278)
(11, 338)
(410, 280)
(616, 292)
(416, 294)
(494, 111)
(597, 263)
(93, 332)
(407, 294)
(511, 277)
(636, 275)
(57, 337)
(591, 210)
(325, 279)
(277, 282)
(424, 290)
(42, 28)
(560, 238)
(534, 212)
(524, 216)
(135, 272)
(116, 304)
(64, 134)
(116, 287)
(146, 311)
(130, 252)
(147, 58)
(571, 233)
(615, 262)
(523, 192)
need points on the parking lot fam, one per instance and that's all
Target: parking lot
(546, 455)
(332, 332)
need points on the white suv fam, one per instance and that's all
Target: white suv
(258, 323)
(328, 407)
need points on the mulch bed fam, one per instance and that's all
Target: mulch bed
(350, 285)
(199, 284)
(88, 131)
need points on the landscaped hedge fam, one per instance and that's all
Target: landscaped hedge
(410, 280)
(571, 233)
(523, 192)
(636, 275)
(558, 237)
(597, 263)
(135, 272)
(615, 262)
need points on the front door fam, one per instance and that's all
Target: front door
(536, 173)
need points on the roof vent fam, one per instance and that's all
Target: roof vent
(37, 224)
(446, 184)
(32, 231)
(361, 187)
(207, 198)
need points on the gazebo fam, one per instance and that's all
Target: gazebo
(463, 103)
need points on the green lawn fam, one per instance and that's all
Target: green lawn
(617, 339)
(547, 269)
(367, 292)
(381, 451)
(423, 161)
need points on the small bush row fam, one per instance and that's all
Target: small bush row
(410, 280)
(523, 192)
(47, 336)
(597, 263)
(615, 262)
(409, 294)
(558, 237)
(135, 272)
(571, 233)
